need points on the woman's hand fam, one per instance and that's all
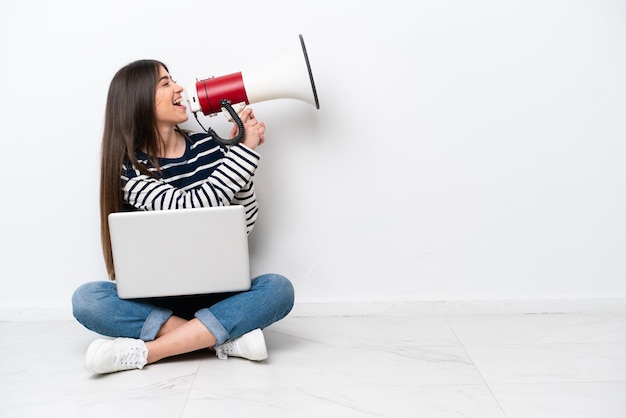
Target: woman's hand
(254, 130)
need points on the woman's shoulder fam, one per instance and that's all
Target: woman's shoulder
(202, 148)
(195, 136)
(201, 140)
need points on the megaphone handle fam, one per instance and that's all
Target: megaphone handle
(241, 132)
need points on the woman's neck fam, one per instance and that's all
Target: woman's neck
(172, 145)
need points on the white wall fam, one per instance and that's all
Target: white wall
(463, 150)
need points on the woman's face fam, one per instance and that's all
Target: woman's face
(169, 108)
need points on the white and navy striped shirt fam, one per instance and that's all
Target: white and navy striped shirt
(206, 175)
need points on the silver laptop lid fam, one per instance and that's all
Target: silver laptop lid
(180, 252)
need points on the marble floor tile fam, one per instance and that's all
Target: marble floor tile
(321, 366)
(53, 403)
(412, 366)
(370, 331)
(42, 356)
(546, 363)
(539, 328)
(563, 400)
(473, 401)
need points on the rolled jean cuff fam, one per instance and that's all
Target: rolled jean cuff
(153, 323)
(213, 325)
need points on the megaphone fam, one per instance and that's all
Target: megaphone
(290, 77)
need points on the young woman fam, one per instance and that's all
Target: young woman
(149, 163)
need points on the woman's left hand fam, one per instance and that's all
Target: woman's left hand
(254, 129)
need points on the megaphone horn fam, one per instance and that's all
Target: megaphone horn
(285, 79)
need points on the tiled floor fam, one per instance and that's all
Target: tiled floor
(531, 366)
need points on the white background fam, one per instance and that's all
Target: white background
(462, 151)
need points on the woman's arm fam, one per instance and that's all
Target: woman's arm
(229, 178)
(246, 197)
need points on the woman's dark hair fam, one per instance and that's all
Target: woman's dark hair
(129, 126)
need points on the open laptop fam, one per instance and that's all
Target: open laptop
(180, 252)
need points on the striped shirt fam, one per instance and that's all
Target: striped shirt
(206, 175)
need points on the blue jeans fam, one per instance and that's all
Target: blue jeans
(226, 315)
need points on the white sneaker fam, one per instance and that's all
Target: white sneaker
(107, 356)
(250, 346)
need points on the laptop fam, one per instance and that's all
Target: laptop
(180, 252)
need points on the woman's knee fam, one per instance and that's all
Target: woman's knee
(287, 289)
(280, 289)
(88, 295)
(280, 284)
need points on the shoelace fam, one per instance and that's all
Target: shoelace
(225, 349)
(130, 356)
